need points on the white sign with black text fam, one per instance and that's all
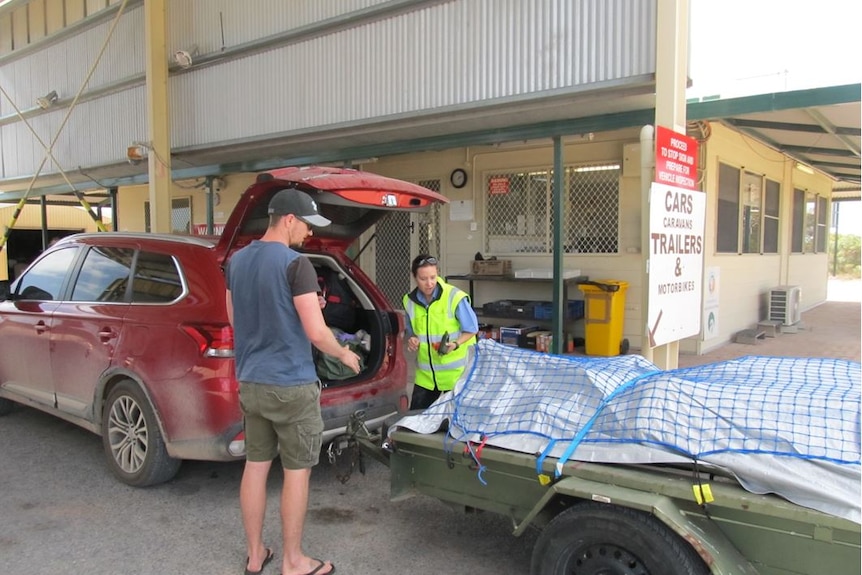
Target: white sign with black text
(676, 246)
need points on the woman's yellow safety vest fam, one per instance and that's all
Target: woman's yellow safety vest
(435, 371)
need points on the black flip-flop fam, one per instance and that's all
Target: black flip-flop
(269, 556)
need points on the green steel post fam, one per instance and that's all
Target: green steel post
(558, 316)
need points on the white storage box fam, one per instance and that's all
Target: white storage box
(545, 273)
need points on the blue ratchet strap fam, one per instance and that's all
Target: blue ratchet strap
(587, 426)
(541, 460)
(576, 441)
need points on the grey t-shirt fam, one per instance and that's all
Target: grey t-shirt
(270, 343)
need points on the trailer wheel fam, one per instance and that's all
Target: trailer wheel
(600, 539)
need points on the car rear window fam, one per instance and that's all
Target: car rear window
(157, 279)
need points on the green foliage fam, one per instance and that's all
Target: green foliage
(848, 262)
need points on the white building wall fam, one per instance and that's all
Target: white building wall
(460, 243)
(745, 279)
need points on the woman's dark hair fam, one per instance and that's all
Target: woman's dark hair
(421, 261)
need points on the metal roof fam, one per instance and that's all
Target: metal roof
(819, 128)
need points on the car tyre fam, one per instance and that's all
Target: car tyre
(132, 438)
(6, 406)
(599, 539)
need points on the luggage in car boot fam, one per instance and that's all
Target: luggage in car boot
(340, 309)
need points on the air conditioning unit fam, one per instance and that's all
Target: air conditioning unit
(785, 304)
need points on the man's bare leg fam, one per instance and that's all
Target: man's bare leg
(252, 502)
(294, 505)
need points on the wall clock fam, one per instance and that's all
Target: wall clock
(458, 178)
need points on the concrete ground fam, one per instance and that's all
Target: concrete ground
(832, 329)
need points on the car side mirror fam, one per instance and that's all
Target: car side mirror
(4, 290)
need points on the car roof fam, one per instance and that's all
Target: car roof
(204, 242)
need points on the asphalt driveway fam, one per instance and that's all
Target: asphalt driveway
(63, 512)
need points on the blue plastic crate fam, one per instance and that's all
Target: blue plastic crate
(545, 309)
(575, 309)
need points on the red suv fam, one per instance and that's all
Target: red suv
(126, 334)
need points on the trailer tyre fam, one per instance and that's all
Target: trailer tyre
(599, 539)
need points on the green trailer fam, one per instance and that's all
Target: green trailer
(612, 519)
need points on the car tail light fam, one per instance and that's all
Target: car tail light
(214, 340)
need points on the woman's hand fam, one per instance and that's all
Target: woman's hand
(413, 343)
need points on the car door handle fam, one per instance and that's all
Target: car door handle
(41, 327)
(106, 335)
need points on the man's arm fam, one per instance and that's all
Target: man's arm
(308, 308)
(228, 302)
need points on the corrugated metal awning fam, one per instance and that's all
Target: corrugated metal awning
(819, 128)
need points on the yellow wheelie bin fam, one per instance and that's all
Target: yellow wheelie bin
(604, 311)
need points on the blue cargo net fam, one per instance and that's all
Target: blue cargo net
(789, 426)
(795, 407)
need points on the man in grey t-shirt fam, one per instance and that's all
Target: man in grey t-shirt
(273, 306)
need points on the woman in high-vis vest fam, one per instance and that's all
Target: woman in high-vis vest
(441, 327)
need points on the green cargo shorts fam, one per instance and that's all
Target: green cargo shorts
(282, 420)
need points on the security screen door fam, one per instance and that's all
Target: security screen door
(398, 238)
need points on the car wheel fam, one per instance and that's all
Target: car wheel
(599, 539)
(132, 439)
(6, 406)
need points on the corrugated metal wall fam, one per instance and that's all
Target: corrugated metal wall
(98, 130)
(205, 22)
(448, 54)
(350, 69)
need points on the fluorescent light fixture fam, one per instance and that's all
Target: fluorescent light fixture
(803, 168)
(602, 168)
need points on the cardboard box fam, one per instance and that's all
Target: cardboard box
(491, 267)
(537, 340)
(511, 334)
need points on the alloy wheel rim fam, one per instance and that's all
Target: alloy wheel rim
(127, 434)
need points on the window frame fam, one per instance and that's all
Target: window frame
(748, 212)
(810, 217)
(536, 232)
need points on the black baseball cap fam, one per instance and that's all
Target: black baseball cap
(300, 205)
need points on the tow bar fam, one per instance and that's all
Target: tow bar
(346, 452)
